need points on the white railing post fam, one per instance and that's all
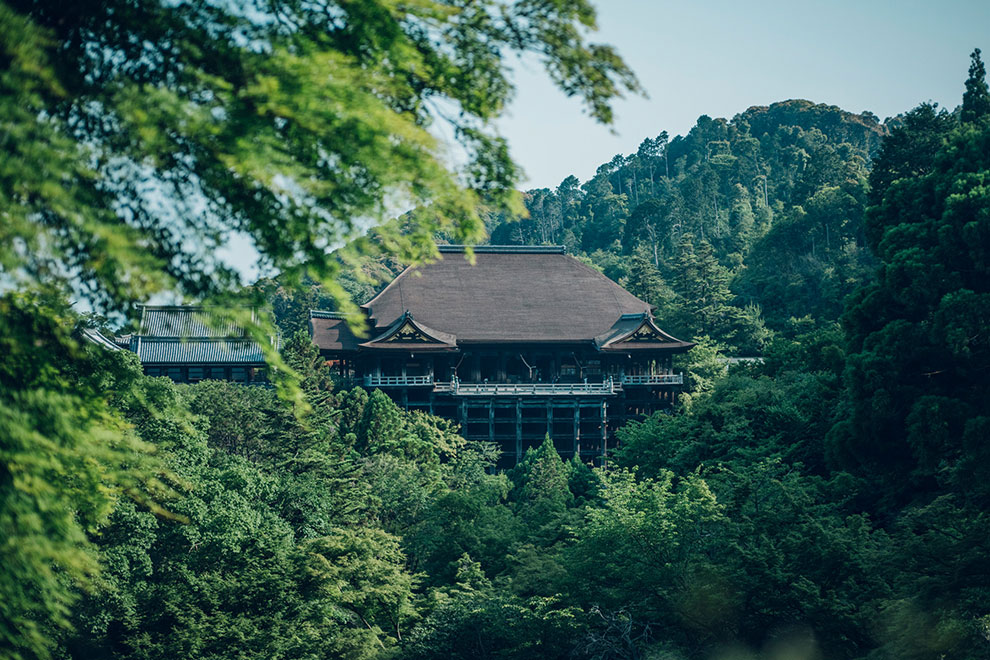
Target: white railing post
(653, 379)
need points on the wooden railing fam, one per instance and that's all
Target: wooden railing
(653, 379)
(458, 388)
(396, 381)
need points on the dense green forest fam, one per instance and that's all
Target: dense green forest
(827, 501)
(737, 227)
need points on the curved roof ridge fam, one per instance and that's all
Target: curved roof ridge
(387, 287)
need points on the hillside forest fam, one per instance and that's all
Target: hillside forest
(828, 500)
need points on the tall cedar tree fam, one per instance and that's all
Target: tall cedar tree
(917, 411)
(976, 98)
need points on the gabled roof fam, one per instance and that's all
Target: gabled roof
(407, 334)
(331, 332)
(512, 294)
(638, 332)
(190, 334)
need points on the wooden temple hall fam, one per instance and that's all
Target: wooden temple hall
(528, 342)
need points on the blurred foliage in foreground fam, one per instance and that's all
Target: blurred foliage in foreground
(137, 139)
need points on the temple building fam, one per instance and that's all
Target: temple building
(525, 343)
(189, 344)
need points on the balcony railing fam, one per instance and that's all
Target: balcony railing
(458, 388)
(654, 379)
(397, 381)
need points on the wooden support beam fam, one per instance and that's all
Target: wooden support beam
(519, 449)
(577, 430)
(604, 432)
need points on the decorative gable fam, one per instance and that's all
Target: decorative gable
(406, 333)
(638, 331)
(409, 333)
(647, 332)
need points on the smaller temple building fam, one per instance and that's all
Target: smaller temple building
(189, 344)
(527, 342)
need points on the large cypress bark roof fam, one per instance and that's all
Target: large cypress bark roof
(331, 332)
(511, 294)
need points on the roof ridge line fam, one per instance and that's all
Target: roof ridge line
(367, 305)
(505, 249)
(324, 314)
(196, 338)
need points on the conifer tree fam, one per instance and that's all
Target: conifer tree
(542, 476)
(702, 286)
(381, 421)
(646, 282)
(976, 98)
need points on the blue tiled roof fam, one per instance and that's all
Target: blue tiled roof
(187, 334)
(197, 351)
(185, 321)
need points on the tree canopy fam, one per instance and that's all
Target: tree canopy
(140, 137)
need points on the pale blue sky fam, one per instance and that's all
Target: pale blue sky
(720, 57)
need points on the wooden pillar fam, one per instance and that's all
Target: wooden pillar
(519, 450)
(604, 431)
(464, 418)
(577, 428)
(404, 398)
(491, 421)
(549, 416)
